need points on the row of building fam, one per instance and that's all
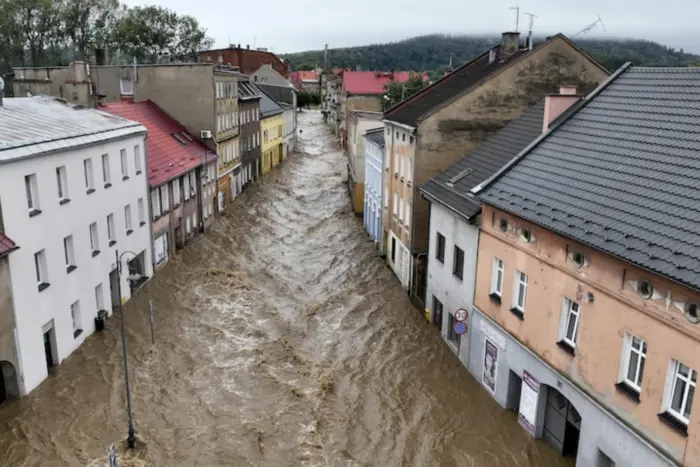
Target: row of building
(105, 173)
(544, 213)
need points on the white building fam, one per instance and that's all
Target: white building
(290, 128)
(73, 192)
(374, 171)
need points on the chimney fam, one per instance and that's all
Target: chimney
(510, 43)
(77, 70)
(247, 46)
(557, 104)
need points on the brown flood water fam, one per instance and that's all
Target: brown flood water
(281, 340)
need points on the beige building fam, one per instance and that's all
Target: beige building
(359, 122)
(429, 131)
(588, 287)
(11, 386)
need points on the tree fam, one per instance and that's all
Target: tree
(397, 92)
(89, 23)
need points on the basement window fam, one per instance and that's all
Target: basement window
(645, 289)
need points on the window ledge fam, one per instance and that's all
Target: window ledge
(175, 206)
(138, 172)
(112, 242)
(141, 224)
(64, 201)
(43, 286)
(566, 347)
(90, 191)
(34, 212)
(76, 333)
(628, 391)
(674, 423)
(129, 232)
(155, 218)
(459, 278)
(107, 185)
(95, 253)
(125, 178)
(519, 313)
(71, 268)
(496, 298)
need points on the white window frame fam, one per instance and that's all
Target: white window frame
(396, 205)
(401, 209)
(386, 197)
(137, 159)
(127, 219)
(99, 297)
(94, 238)
(106, 175)
(124, 164)
(155, 202)
(124, 88)
(42, 274)
(520, 281)
(672, 380)
(628, 348)
(570, 309)
(75, 317)
(164, 198)
(111, 234)
(62, 182)
(89, 176)
(142, 211)
(497, 276)
(188, 225)
(69, 251)
(32, 192)
(177, 198)
(407, 218)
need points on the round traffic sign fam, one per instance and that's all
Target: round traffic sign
(460, 328)
(461, 314)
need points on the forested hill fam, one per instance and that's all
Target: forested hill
(433, 52)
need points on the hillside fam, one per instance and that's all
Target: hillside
(433, 52)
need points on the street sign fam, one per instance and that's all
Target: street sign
(112, 456)
(460, 328)
(461, 314)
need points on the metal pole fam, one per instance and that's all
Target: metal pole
(131, 439)
(150, 318)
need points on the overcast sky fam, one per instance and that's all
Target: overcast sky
(293, 26)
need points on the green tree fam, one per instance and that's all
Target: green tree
(89, 23)
(397, 92)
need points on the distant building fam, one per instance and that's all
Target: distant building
(289, 129)
(271, 126)
(374, 173)
(307, 81)
(73, 192)
(359, 122)
(247, 60)
(267, 74)
(249, 111)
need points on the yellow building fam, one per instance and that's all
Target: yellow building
(271, 124)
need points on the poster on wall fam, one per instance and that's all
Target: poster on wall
(490, 371)
(527, 414)
(161, 248)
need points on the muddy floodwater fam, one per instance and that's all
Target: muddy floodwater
(282, 339)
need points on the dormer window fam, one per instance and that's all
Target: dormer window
(692, 312)
(578, 259)
(503, 224)
(527, 235)
(645, 289)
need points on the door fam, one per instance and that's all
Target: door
(50, 346)
(114, 288)
(393, 249)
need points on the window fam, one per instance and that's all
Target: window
(42, 274)
(127, 219)
(497, 278)
(403, 137)
(409, 170)
(193, 183)
(69, 253)
(164, 198)
(32, 189)
(634, 355)
(155, 203)
(94, 241)
(440, 248)
(110, 230)
(407, 218)
(142, 212)
(568, 332)
(62, 183)
(125, 164)
(75, 316)
(452, 336)
(89, 181)
(137, 159)
(401, 209)
(396, 163)
(458, 265)
(99, 297)
(186, 187)
(126, 86)
(680, 391)
(189, 225)
(437, 311)
(177, 199)
(386, 197)
(396, 205)
(194, 220)
(519, 291)
(106, 177)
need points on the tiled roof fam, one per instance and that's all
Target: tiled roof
(6, 245)
(30, 126)
(450, 86)
(307, 75)
(247, 60)
(620, 175)
(484, 161)
(268, 106)
(373, 82)
(376, 136)
(168, 156)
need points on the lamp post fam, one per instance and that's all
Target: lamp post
(131, 439)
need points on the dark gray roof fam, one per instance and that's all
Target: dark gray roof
(621, 174)
(268, 107)
(376, 136)
(483, 162)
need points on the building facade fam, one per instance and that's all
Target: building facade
(374, 173)
(359, 122)
(271, 132)
(247, 60)
(11, 381)
(289, 129)
(429, 131)
(249, 106)
(83, 200)
(586, 288)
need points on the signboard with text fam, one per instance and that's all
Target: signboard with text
(527, 414)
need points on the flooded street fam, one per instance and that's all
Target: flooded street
(282, 339)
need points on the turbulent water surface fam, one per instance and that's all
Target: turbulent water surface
(281, 340)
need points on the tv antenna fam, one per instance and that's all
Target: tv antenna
(591, 26)
(529, 33)
(517, 16)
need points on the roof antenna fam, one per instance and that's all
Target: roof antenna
(529, 33)
(591, 26)
(517, 16)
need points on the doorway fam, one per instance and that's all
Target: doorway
(114, 288)
(562, 424)
(50, 351)
(9, 382)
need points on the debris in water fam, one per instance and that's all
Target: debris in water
(125, 457)
(327, 384)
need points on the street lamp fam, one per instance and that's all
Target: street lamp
(133, 277)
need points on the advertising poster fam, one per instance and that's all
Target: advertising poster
(488, 377)
(528, 402)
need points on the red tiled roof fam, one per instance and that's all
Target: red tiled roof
(6, 245)
(308, 75)
(167, 158)
(373, 82)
